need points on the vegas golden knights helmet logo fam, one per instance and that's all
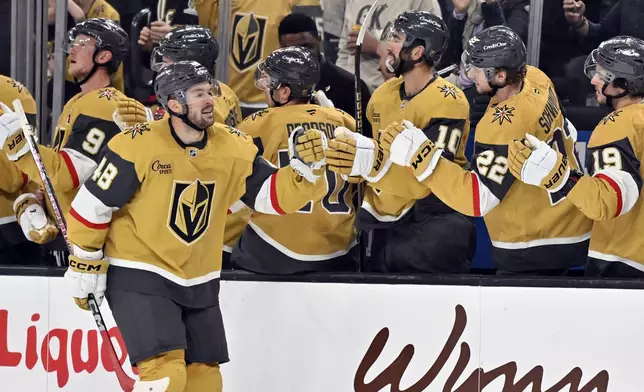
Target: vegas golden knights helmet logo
(247, 44)
(190, 210)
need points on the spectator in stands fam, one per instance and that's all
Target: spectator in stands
(177, 12)
(386, 12)
(332, 16)
(300, 30)
(626, 17)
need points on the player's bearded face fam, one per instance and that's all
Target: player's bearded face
(201, 105)
(394, 40)
(81, 55)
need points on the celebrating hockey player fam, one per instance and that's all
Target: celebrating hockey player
(197, 43)
(19, 211)
(320, 236)
(610, 195)
(96, 48)
(532, 233)
(411, 230)
(154, 211)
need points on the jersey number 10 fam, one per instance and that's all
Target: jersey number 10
(334, 202)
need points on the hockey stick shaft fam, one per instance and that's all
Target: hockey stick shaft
(359, 115)
(127, 383)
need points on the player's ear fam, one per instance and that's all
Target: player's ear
(283, 93)
(103, 56)
(500, 76)
(175, 106)
(417, 53)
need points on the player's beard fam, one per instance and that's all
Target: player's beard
(205, 118)
(397, 65)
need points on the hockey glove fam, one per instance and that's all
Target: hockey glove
(87, 274)
(322, 100)
(306, 153)
(352, 154)
(130, 112)
(33, 220)
(15, 143)
(534, 162)
(409, 146)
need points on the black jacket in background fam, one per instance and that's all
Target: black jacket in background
(337, 84)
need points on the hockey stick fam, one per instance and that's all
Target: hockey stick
(358, 95)
(127, 383)
(446, 70)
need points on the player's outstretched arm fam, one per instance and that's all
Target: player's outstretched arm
(611, 190)
(112, 185)
(471, 192)
(355, 156)
(74, 163)
(283, 191)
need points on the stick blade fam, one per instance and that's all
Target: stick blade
(367, 18)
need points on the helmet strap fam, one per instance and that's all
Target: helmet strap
(610, 99)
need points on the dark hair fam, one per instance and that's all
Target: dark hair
(298, 23)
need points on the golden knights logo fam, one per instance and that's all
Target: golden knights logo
(137, 129)
(448, 91)
(503, 113)
(190, 209)
(249, 32)
(107, 94)
(16, 84)
(611, 117)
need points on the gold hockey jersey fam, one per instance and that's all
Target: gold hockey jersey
(84, 127)
(227, 109)
(523, 221)
(612, 196)
(158, 206)
(442, 111)
(102, 9)
(12, 180)
(323, 229)
(254, 25)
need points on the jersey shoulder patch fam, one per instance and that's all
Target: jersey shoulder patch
(100, 103)
(512, 118)
(233, 142)
(627, 122)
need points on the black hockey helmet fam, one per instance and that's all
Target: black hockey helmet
(184, 43)
(294, 66)
(421, 28)
(175, 79)
(621, 60)
(495, 47)
(108, 35)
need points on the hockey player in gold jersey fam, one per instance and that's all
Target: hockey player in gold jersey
(320, 236)
(198, 44)
(96, 47)
(611, 193)
(19, 246)
(411, 230)
(532, 233)
(154, 211)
